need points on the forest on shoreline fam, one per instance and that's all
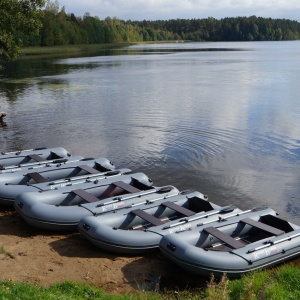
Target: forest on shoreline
(60, 28)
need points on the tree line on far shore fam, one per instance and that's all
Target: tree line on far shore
(60, 28)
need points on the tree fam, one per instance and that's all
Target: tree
(18, 17)
(52, 6)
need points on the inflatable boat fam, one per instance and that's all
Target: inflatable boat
(138, 230)
(234, 245)
(11, 160)
(57, 170)
(35, 165)
(50, 210)
(103, 181)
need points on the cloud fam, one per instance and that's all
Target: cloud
(170, 9)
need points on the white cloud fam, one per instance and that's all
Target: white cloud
(170, 9)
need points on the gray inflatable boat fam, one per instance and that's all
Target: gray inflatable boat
(51, 211)
(234, 245)
(13, 160)
(35, 165)
(138, 230)
(9, 192)
(79, 166)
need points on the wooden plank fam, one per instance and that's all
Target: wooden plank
(227, 239)
(145, 216)
(262, 226)
(37, 177)
(85, 195)
(88, 169)
(36, 157)
(126, 187)
(184, 211)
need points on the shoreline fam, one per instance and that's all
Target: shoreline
(48, 50)
(35, 51)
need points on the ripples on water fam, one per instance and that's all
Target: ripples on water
(225, 123)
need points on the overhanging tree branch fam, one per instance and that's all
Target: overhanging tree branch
(22, 16)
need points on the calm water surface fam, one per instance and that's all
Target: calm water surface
(221, 118)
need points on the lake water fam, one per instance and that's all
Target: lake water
(220, 118)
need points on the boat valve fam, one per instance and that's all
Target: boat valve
(171, 247)
(86, 227)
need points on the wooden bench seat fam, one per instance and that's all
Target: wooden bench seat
(182, 210)
(223, 237)
(37, 177)
(126, 187)
(85, 195)
(88, 169)
(145, 216)
(36, 157)
(270, 229)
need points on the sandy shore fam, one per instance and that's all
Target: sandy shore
(43, 258)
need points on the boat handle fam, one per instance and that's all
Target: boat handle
(271, 243)
(183, 221)
(135, 196)
(87, 177)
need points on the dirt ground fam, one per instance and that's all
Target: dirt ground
(44, 258)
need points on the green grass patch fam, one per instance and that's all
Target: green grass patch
(62, 291)
(11, 290)
(30, 51)
(281, 283)
(273, 284)
(4, 252)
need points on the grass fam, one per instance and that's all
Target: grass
(30, 51)
(62, 291)
(4, 252)
(280, 283)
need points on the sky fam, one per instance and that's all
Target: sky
(183, 9)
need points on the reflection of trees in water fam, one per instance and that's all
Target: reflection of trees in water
(17, 76)
(15, 79)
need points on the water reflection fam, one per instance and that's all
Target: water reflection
(223, 122)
